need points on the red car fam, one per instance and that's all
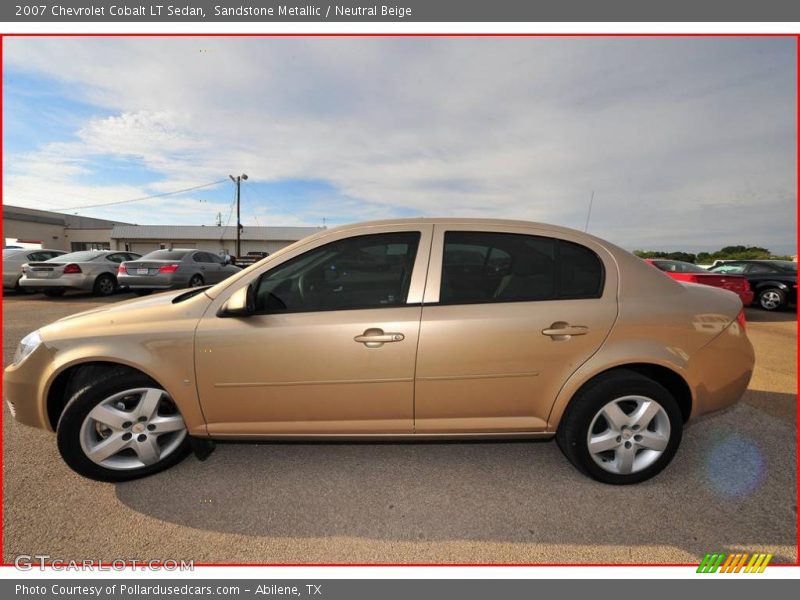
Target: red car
(684, 271)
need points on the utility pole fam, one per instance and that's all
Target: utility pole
(238, 181)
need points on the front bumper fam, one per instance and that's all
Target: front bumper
(23, 388)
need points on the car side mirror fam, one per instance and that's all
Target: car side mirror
(242, 303)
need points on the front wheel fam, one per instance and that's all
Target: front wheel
(196, 281)
(772, 299)
(622, 429)
(120, 426)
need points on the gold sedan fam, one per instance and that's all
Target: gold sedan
(404, 329)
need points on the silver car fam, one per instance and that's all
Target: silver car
(14, 258)
(174, 269)
(91, 270)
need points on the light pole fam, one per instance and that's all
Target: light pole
(238, 181)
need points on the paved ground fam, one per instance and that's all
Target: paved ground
(731, 487)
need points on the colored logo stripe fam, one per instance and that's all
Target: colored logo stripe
(734, 563)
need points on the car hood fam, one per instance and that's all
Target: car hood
(138, 313)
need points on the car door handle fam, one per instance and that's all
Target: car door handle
(375, 338)
(561, 330)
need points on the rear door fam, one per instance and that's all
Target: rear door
(509, 315)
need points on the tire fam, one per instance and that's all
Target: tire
(196, 280)
(771, 299)
(54, 293)
(84, 433)
(105, 285)
(22, 290)
(641, 450)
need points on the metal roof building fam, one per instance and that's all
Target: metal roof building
(145, 238)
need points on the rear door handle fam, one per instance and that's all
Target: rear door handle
(375, 338)
(561, 330)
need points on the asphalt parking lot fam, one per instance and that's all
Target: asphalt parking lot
(731, 488)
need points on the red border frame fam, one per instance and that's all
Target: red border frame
(545, 35)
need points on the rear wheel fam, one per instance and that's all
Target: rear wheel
(772, 299)
(623, 428)
(54, 293)
(121, 425)
(105, 285)
(196, 281)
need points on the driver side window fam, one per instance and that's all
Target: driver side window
(368, 271)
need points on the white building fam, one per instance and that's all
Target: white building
(146, 238)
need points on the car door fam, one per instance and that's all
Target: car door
(332, 346)
(509, 314)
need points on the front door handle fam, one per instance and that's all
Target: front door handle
(561, 330)
(375, 338)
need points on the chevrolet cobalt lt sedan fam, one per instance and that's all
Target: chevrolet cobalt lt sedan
(407, 329)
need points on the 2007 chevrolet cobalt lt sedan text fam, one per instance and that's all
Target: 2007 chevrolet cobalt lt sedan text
(413, 329)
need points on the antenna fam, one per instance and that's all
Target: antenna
(589, 213)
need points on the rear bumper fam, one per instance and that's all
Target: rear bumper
(78, 281)
(152, 282)
(747, 297)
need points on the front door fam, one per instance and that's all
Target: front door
(509, 315)
(331, 348)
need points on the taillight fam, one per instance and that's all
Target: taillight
(168, 269)
(693, 279)
(71, 269)
(122, 270)
(741, 320)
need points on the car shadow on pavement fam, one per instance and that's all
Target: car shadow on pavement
(758, 315)
(731, 486)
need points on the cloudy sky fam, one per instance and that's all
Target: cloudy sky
(687, 143)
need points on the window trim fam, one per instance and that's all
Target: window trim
(418, 251)
(433, 286)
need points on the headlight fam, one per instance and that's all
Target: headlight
(26, 346)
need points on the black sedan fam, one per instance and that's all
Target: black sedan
(774, 282)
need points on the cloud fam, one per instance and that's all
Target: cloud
(683, 140)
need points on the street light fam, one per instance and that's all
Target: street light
(238, 181)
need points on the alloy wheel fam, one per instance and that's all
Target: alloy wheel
(628, 434)
(132, 429)
(770, 299)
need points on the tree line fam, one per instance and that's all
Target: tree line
(705, 258)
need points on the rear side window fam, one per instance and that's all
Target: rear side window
(508, 267)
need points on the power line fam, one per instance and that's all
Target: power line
(189, 189)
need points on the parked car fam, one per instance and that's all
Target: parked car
(174, 269)
(15, 257)
(404, 329)
(774, 282)
(691, 273)
(91, 270)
